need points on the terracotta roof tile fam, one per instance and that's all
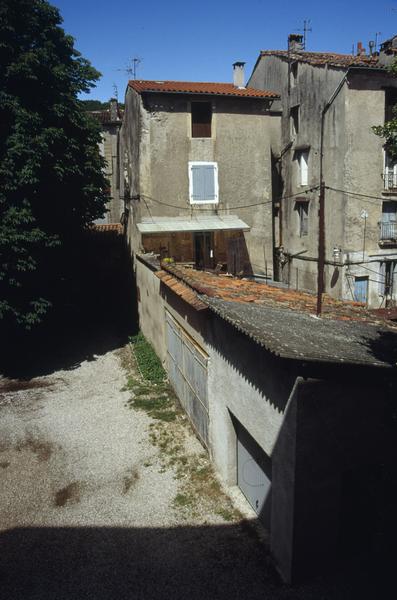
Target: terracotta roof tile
(326, 58)
(195, 87)
(117, 227)
(283, 321)
(246, 291)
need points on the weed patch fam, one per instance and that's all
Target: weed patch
(200, 493)
(148, 362)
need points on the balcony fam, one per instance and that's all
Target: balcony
(390, 180)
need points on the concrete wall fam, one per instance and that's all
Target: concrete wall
(315, 424)
(151, 308)
(353, 161)
(157, 146)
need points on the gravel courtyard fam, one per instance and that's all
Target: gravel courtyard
(88, 506)
(96, 500)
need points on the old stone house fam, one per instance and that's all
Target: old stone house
(196, 172)
(329, 104)
(110, 120)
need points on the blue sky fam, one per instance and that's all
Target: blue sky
(199, 41)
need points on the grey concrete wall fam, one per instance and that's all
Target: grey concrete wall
(157, 146)
(353, 161)
(109, 150)
(151, 308)
(316, 424)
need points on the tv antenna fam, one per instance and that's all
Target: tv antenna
(306, 29)
(377, 34)
(132, 67)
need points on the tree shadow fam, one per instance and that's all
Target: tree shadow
(94, 311)
(104, 563)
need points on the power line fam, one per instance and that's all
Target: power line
(351, 193)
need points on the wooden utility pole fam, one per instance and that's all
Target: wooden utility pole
(321, 248)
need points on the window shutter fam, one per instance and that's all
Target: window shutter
(304, 168)
(305, 219)
(394, 286)
(382, 279)
(203, 183)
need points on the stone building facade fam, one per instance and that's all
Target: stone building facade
(110, 121)
(337, 99)
(196, 172)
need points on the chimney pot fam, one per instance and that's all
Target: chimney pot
(295, 42)
(114, 111)
(238, 74)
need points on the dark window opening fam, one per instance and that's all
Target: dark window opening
(390, 102)
(294, 115)
(201, 119)
(302, 208)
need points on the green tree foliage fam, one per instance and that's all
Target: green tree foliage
(51, 179)
(388, 131)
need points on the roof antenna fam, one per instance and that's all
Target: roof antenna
(132, 67)
(306, 29)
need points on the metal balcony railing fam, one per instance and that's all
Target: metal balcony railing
(388, 231)
(390, 179)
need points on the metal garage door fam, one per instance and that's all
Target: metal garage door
(187, 369)
(254, 474)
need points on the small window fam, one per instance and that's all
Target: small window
(201, 119)
(302, 209)
(203, 182)
(387, 278)
(303, 166)
(294, 120)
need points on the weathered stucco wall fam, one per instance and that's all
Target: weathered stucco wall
(151, 308)
(158, 145)
(353, 163)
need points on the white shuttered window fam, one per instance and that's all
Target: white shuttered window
(303, 161)
(203, 182)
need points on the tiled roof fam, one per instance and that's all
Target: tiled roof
(103, 227)
(326, 58)
(194, 87)
(283, 321)
(103, 116)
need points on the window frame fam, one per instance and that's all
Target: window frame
(302, 209)
(194, 163)
(303, 173)
(210, 124)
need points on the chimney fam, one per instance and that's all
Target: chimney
(114, 110)
(238, 74)
(295, 42)
(360, 49)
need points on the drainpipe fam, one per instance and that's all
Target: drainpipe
(321, 211)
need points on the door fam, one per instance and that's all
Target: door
(203, 250)
(254, 474)
(361, 289)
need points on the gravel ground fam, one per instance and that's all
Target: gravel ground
(87, 503)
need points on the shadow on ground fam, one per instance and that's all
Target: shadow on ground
(94, 311)
(219, 562)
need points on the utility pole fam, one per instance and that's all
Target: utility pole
(321, 248)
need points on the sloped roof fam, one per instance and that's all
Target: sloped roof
(283, 321)
(326, 58)
(195, 87)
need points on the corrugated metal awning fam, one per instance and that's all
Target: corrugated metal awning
(183, 224)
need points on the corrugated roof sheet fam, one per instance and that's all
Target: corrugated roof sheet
(326, 58)
(196, 87)
(283, 321)
(197, 223)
